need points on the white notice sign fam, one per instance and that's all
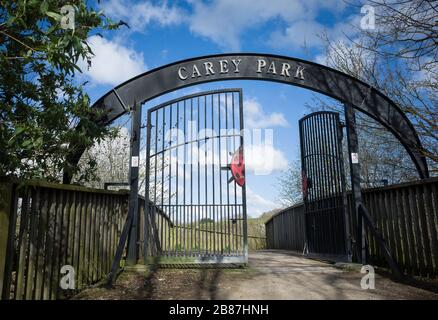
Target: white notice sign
(354, 158)
(134, 162)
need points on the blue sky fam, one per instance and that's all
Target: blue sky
(164, 32)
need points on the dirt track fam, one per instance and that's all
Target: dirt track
(270, 275)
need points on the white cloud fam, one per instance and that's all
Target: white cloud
(310, 33)
(224, 21)
(140, 15)
(298, 34)
(264, 159)
(351, 58)
(113, 62)
(257, 204)
(255, 117)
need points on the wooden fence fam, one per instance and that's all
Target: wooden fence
(44, 226)
(286, 229)
(406, 215)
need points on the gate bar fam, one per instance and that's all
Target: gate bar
(245, 222)
(147, 213)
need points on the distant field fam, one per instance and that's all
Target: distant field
(213, 236)
(256, 234)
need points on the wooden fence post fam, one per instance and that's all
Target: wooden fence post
(6, 221)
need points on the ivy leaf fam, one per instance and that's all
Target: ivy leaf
(10, 21)
(77, 68)
(38, 142)
(54, 15)
(19, 130)
(44, 7)
(51, 29)
(26, 143)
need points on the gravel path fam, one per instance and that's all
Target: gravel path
(270, 275)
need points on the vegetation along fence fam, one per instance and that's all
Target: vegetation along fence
(406, 215)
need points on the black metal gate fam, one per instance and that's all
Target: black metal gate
(191, 142)
(323, 181)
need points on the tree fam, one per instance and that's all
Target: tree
(382, 157)
(399, 58)
(112, 156)
(406, 30)
(406, 38)
(289, 185)
(41, 102)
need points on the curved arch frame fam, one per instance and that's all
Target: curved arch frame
(267, 67)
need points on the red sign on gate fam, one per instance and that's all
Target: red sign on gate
(238, 167)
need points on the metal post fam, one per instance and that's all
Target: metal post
(353, 148)
(245, 224)
(133, 180)
(304, 189)
(344, 193)
(148, 235)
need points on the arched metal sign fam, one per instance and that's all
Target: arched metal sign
(266, 67)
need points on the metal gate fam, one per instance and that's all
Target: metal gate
(195, 178)
(323, 181)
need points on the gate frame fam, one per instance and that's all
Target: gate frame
(217, 259)
(325, 80)
(337, 139)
